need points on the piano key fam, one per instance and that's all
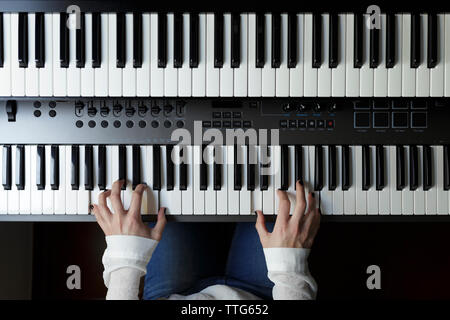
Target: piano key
(48, 193)
(162, 40)
(442, 180)
(256, 193)
(95, 191)
(121, 39)
(237, 167)
(81, 42)
(143, 72)
(255, 36)
(310, 73)
(292, 40)
(122, 153)
(408, 72)
(222, 194)
(64, 52)
(96, 39)
(87, 71)
(446, 56)
(267, 178)
(226, 72)
(268, 72)
(366, 167)
(351, 72)
(318, 168)
(152, 194)
(298, 164)
(60, 193)
(115, 69)
(276, 40)
(338, 194)
(156, 73)
(374, 55)
(296, 72)
(338, 73)
(306, 169)
(372, 192)
(137, 40)
(128, 185)
(199, 194)
(40, 168)
(20, 167)
(156, 167)
(111, 170)
(25, 193)
(233, 194)
(164, 196)
(437, 73)
(326, 195)
(210, 193)
(366, 84)
(74, 167)
(276, 160)
(394, 83)
(203, 169)
(422, 71)
(31, 71)
(360, 193)
(59, 71)
(416, 35)
(184, 156)
(37, 182)
(427, 168)
(185, 71)
(23, 40)
(332, 168)
(7, 168)
(83, 195)
(217, 170)
(264, 167)
(17, 72)
(432, 46)
(194, 34)
(395, 193)
(235, 40)
(54, 168)
(241, 72)
(324, 71)
(380, 72)
(101, 165)
(413, 167)
(311, 170)
(431, 193)
(358, 40)
(219, 29)
(170, 72)
(13, 193)
(73, 72)
(400, 168)
(333, 41)
(260, 39)
(199, 73)
(251, 163)
(169, 168)
(384, 194)
(419, 194)
(101, 75)
(282, 72)
(1, 40)
(212, 72)
(176, 192)
(317, 40)
(390, 40)
(290, 190)
(284, 154)
(407, 194)
(5, 69)
(129, 70)
(88, 168)
(380, 168)
(346, 171)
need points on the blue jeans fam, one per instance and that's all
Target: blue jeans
(193, 256)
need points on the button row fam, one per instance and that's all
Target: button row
(400, 120)
(130, 124)
(226, 114)
(227, 124)
(307, 123)
(388, 104)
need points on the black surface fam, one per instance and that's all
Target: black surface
(400, 167)
(137, 40)
(276, 40)
(334, 41)
(20, 167)
(54, 167)
(427, 168)
(317, 41)
(298, 166)
(96, 40)
(75, 168)
(162, 40)
(237, 168)
(390, 41)
(193, 40)
(157, 167)
(318, 168)
(366, 167)
(413, 168)
(178, 41)
(63, 40)
(380, 169)
(217, 169)
(374, 48)
(235, 40)
(123, 165)
(332, 168)
(284, 167)
(218, 40)
(203, 170)
(358, 41)
(120, 40)
(80, 38)
(415, 40)
(23, 40)
(137, 177)
(346, 179)
(101, 165)
(40, 40)
(1, 41)
(40, 167)
(260, 40)
(88, 168)
(170, 169)
(432, 53)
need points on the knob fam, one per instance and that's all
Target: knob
(104, 111)
(317, 107)
(79, 108)
(11, 110)
(117, 109)
(302, 107)
(168, 109)
(142, 110)
(130, 111)
(332, 107)
(92, 111)
(288, 107)
(156, 110)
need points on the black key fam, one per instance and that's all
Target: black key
(121, 44)
(54, 167)
(96, 40)
(81, 43)
(123, 165)
(374, 48)
(260, 40)
(136, 166)
(251, 166)
(401, 181)
(178, 40)
(23, 40)
(157, 167)
(218, 40)
(101, 165)
(75, 169)
(203, 171)
(334, 41)
(380, 181)
(89, 168)
(39, 52)
(217, 169)
(183, 169)
(20, 167)
(390, 40)
(415, 40)
(6, 168)
(162, 40)
(427, 168)
(137, 40)
(1, 40)
(169, 168)
(332, 167)
(318, 168)
(432, 53)
(276, 40)
(63, 40)
(235, 40)
(317, 41)
(40, 167)
(366, 168)
(263, 178)
(298, 155)
(193, 40)
(413, 168)
(358, 41)
(292, 40)
(346, 168)
(284, 167)
(237, 169)
(446, 167)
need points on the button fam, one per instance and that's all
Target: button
(206, 124)
(142, 124)
(330, 124)
(381, 119)
(419, 120)
(381, 104)
(91, 124)
(79, 124)
(217, 124)
(52, 104)
(180, 124)
(226, 115)
(302, 123)
(52, 113)
(399, 104)
(117, 124)
(292, 124)
(129, 124)
(311, 123)
(237, 114)
(104, 124)
(216, 115)
(283, 123)
(365, 104)
(320, 124)
(37, 104)
(362, 120)
(248, 124)
(226, 124)
(155, 124)
(236, 124)
(167, 124)
(37, 113)
(418, 104)
(400, 120)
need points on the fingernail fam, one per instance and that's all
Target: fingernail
(91, 207)
(300, 182)
(256, 212)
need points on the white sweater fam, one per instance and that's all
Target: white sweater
(126, 258)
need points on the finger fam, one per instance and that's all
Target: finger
(136, 200)
(313, 214)
(102, 200)
(312, 224)
(261, 225)
(300, 200)
(98, 216)
(116, 201)
(284, 206)
(311, 202)
(160, 223)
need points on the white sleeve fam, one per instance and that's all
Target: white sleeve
(288, 270)
(125, 261)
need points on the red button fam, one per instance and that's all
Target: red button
(330, 123)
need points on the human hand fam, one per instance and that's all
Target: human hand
(296, 231)
(126, 222)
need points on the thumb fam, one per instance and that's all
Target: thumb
(261, 225)
(160, 223)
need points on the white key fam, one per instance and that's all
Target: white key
(5, 72)
(366, 72)
(83, 194)
(31, 72)
(384, 198)
(96, 190)
(396, 195)
(408, 73)
(73, 73)
(311, 161)
(245, 194)
(111, 176)
(3, 192)
(226, 72)
(87, 73)
(152, 195)
(176, 193)
(71, 195)
(372, 193)
(144, 174)
(338, 73)
(361, 195)
(276, 158)
(240, 74)
(164, 195)
(350, 194)
(13, 194)
(407, 194)
(306, 170)
(222, 194)
(310, 73)
(446, 56)
(128, 192)
(256, 198)
(423, 72)
(351, 73)
(254, 73)
(437, 73)
(395, 73)
(114, 74)
(282, 73)
(60, 194)
(419, 194)
(338, 194)
(59, 74)
(25, 195)
(101, 75)
(324, 72)
(156, 73)
(17, 73)
(296, 74)
(199, 195)
(431, 194)
(233, 195)
(210, 193)
(381, 73)
(47, 194)
(268, 73)
(442, 195)
(143, 73)
(129, 72)
(170, 73)
(199, 73)
(185, 72)
(212, 74)
(36, 195)
(187, 196)
(326, 196)
(268, 195)
(291, 192)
